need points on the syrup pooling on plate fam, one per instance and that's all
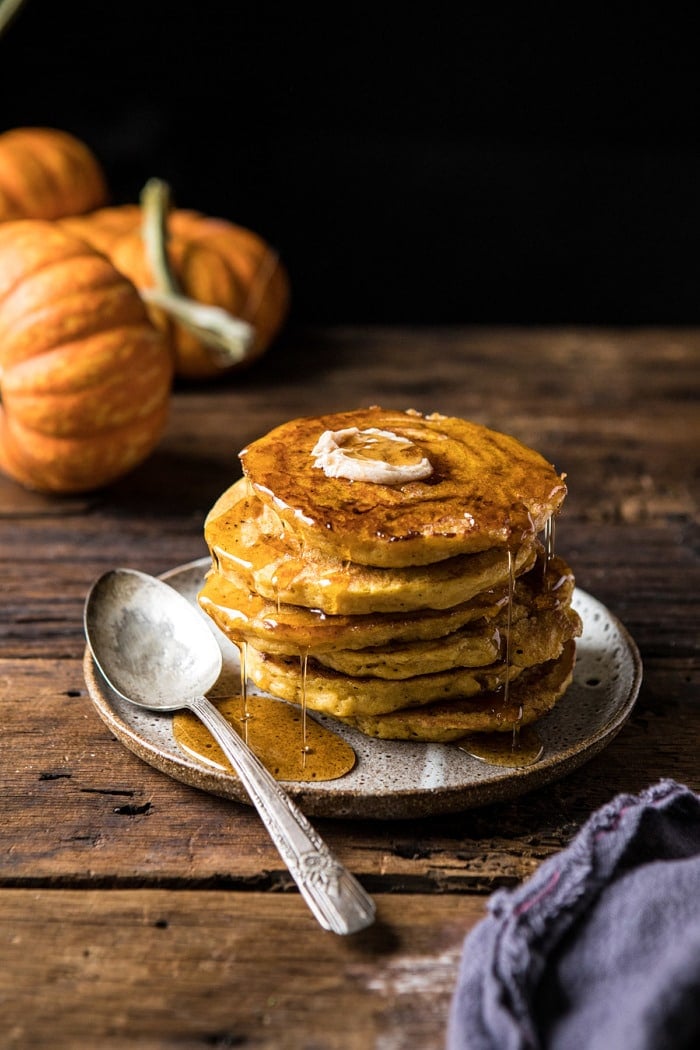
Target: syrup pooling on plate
(275, 733)
(522, 747)
(292, 746)
(385, 787)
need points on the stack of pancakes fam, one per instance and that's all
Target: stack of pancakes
(387, 568)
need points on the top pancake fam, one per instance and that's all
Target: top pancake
(486, 490)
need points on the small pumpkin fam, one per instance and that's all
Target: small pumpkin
(85, 377)
(46, 174)
(103, 227)
(209, 261)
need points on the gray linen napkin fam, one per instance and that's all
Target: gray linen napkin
(600, 949)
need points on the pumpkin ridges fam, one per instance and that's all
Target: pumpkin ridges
(50, 173)
(205, 277)
(41, 330)
(113, 404)
(202, 275)
(269, 285)
(71, 465)
(255, 265)
(256, 289)
(79, 427)
(76, 174)
(24, 170)
(80, 366)
(245, 252)
(10, 206)
(48, 282)
(103, 228)
(29, 245)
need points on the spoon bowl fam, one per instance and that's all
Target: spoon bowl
(148, 642)
(156, 650)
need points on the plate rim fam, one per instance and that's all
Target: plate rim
(398, 803)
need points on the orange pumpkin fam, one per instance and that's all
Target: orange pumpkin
(85, 378)
(214, 262)
(105, 226)
(46, 174)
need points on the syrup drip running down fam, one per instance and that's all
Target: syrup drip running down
(303, 666)
(243, 649)
(549, 539)
(522, 746)
(292, 746)
(509, 625)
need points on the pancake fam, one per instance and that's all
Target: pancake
(530, 697)
(386, 568)
(376, 680)
(250, 544)
(245, 616)
(342, 696)
(485, 490)
(401, 647)
(533, 640)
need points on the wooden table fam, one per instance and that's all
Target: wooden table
(136, 911)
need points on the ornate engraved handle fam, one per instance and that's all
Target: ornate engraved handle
(334, 896)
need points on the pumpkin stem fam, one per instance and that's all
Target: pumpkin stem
(229, 338)
(8, 10)
(155, 205)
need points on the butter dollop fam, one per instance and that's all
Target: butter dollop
(373, 455)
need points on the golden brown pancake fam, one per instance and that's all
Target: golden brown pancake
(486, 490)
(246, 616)
(344, 696)
(530, 696)
(407, 594)
(250, 544)
(243, 615)
(533, 640)
(378, 680)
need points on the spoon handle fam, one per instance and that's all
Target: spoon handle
(334, 896)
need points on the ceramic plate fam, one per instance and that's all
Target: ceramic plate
(400, 779)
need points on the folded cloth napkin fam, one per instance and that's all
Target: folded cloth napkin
(600, 949)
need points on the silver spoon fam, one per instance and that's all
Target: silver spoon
(155, 650)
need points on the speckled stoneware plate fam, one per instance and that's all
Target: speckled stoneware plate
(399, 779)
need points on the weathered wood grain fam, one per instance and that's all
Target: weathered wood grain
(77, 807)
(104, 862)
(162, 969)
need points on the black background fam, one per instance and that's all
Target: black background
(472, 164)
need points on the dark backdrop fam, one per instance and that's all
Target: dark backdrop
(491, 164)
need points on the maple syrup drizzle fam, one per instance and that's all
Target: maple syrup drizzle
(303, 667)
(515, 750)
(521, 746)
(549, 539)
(382, 447)
(243, 650)
(291, 745)
(509, 625)
(275, 735)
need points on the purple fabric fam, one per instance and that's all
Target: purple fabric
(600, 949)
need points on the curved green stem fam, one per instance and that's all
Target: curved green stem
(8, 10)
(229, 338)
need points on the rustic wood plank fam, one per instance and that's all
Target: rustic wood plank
(78, 806)
(105, 860)
(160, 969)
